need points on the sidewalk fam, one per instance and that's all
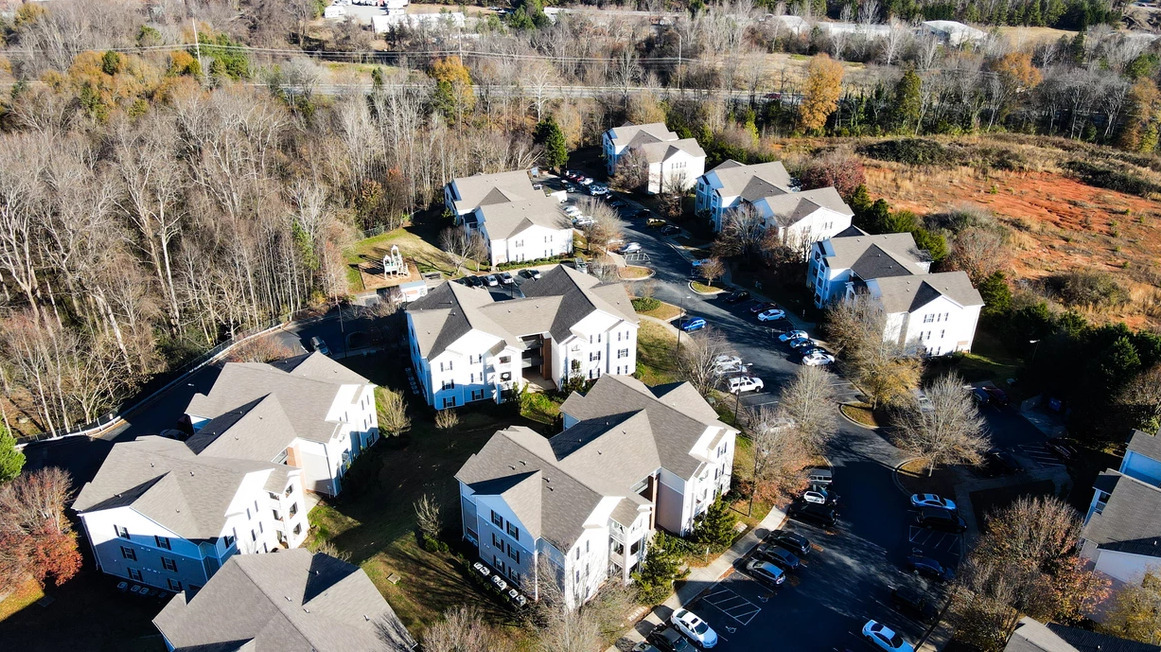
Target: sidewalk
(700, 579)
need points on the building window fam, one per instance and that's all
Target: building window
(169, 564)
(174, 585)
(623, 353)
(497, 542)
(595, 356)
(277, 516)
(289, 490)
(942, 334)
(449, 384)
(135, 574)
(253, 535)
(927, 319)
(293, 509)
(513, 531)
(497, 520)
(122, 531)
(230, 540)
(298, 529)
(635, 547)
(618, 548)
(514, 554)
(162, 542)
(129, 553)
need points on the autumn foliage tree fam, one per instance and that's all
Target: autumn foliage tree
(820, 93)
(36, 538)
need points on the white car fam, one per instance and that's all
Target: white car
(695, 628)
(793, 335)
(732, 368)
(932, 500)
(572, 211)
(771, 315)
(631, 248)
(817, 358)
(491, 280)
(741, 384)
(885, 638)
(583, 221)
(724, 360)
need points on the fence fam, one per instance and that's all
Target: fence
(166, 380)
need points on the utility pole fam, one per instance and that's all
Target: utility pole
(197, 44)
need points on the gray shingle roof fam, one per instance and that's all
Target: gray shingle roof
(553, 303)
(909, 293)
(625, 434)
(1033, 636)
(292, 600)
(635, 135)
(788, 208)
(752, 182)
(898, 247)
(663, 151)
(1130, 521)
(165, 481)
(258, 430)
(1145, 444)
(504, 220)
(304, 392)
(492, 189)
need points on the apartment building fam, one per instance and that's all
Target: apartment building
(672, 163)
(579, 509)
(468, 346)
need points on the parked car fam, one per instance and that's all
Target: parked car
(645, 646)
(530, 273)
(737, 296)
(317, 344)
(980, 396)
(940, 519)
(726, 359)
(583, 221)
(885, 638)
(930, 568)
(932, 500)
(572, 211)
(473, 281)
(792, 541)
(812, 512)
(913, 603)
(819, 495)
(631, 248)
(585, 181)
(739, 384)
(695, 628)
(1062, 449)
(655, 222)
(670, 229)
(820, 475)
(772, 314)
(998, 396)
(728, 369)
(598, 190)
(793, 335)
(690, 324)
(506, 278)
(817, 358)
(762, 306)
(765, 572)
(999, 462)
(491, 280)
(780, 557)
(668, 639)
(801, 343)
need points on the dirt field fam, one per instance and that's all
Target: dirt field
(1058, 223)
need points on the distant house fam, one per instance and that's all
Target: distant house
(671, 162)
(157, 513)
(1033, 636)
(335, 11)
(294, 600)
(518, 221)
(308, 412)
(466, 346)
(396, 18)
(630, 460)
(1122, 528)
(794, 24)
(953, 33)
(931, 314)
(799, 217)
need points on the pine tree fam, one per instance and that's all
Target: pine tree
(908, 103)
(997, 296)
(715, 528)
(548, 133)
(11, 460)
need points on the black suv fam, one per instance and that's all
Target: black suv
(669, 639)
(792, 541)
(940, 519)
(913, 602)
(777, 555)
(813, 512)
(928, 567)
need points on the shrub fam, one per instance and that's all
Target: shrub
(1100, 176)
(446, 419)
(1088, 288)
(913, 151)
(843, 171)
(645, 304)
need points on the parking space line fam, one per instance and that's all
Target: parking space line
(732, 605)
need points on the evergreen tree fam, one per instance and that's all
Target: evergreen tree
(908, 104)
(11, 460)
(548, 133)
(715, 528)
(997, 296)
(656, 574)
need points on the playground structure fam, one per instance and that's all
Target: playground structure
(393, 266)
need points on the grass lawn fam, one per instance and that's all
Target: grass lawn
(860, 413)
(541, 408)
(989, 360)
(374, 519)
(632, 272)
(412, 244)
(664, 312)
(702, 288)
(655, 349)
(22, 597)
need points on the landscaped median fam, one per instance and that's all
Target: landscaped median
(656, 308)
(634, 273)
(861, 414)
(702, 288)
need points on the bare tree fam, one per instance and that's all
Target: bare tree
(697, 359)
(878, 366)
(809, 402)
(428, 516)
(980, 252)
(631, 173)
(711, 269)
(462, 630)
(780, 453)
(605, 225)
(743, 234)
(260, 349)
(392, 412)
(947, 430)
(457, 244)
(36, 537)
(562, 624)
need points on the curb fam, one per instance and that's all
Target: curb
(856, 423)
(895, 475)
(652, 273)
(704, 294)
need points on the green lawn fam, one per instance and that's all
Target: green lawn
(989, 360)
(655, 354)
(374, 519)
(22, 597)
(702, 288)
(540, 407)
(416, 242)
